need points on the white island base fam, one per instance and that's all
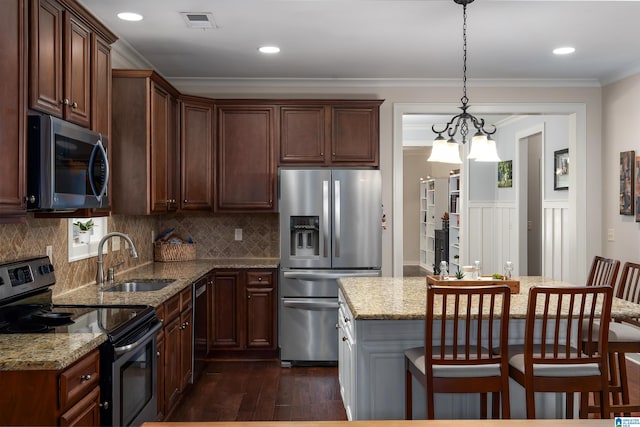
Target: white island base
(371, 373)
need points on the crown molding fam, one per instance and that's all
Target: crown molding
(186, 83)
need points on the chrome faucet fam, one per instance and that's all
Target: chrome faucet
(132, 252)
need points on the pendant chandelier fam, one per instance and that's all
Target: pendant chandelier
(483, 147)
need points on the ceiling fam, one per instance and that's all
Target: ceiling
(383, 39)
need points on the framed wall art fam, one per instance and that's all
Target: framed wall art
(561, 169)
(627, 163)
(638, 189)
(505, 174)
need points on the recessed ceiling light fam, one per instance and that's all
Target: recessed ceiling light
(566, 50)
(130, 16)
(269, 49)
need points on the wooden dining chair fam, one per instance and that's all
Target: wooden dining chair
(465, 347)
(624, 337)
(552, 360)
(604, 271)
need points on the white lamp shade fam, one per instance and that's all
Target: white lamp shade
(489, 152)
(478, 146)
(445, 152)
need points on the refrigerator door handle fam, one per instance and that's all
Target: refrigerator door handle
(329, 275)
(336, 221)
(325, 217)
(310, 305)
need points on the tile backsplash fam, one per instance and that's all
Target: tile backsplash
(214, 235)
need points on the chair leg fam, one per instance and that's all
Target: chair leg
(584, 405)
(483, 406)
(569, 410)
(531, 404)
(495, 405)
(622, 378)
(408, 395)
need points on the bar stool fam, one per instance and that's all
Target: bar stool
(604, 271)
(623, 338)
(550, 362)
(465, 347)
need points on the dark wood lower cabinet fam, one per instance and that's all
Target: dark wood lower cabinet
(175, 350)
(69, 397)
(242, 307)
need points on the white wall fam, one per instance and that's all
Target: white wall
(621, 111)
(415, 167)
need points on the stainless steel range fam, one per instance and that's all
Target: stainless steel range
(128, 364)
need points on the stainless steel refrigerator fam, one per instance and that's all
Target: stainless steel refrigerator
(330, 226)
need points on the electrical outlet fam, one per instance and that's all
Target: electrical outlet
(115, 244)
(611, 235)
(238, 235)
(49, 252)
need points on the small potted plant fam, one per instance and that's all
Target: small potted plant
(84, 230)
(459, 274)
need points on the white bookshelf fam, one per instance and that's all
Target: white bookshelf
(455, 210)
(433, 203)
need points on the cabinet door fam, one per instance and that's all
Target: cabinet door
(172, 339)
(186, 348)
(246, 178)
(173, 153)
(226, 328)
(160, 134)
(160, 378)
(12, 104)
(77, 71)
(261, 309)
(354, 135)
(100, 85)
(45, 72)
(84, 413)
(197, 162)
(302, 135)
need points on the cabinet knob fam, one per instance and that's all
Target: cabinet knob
(31, 199)
(344, 338)
(85, 377)
(74, 105)
(337, 326)
(104, 405)
(248, 296)
(322, 154)
(186, 201)
(346, 319)
(64, 102)
(259, 279)
(157, 354)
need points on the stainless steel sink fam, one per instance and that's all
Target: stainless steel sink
(140, 285)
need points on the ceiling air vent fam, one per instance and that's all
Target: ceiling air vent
(200, 20)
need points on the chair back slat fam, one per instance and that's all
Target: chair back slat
(473, 327)
(629, 285)
(560, 319)
(604, 272)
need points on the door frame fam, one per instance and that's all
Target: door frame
(576, 113)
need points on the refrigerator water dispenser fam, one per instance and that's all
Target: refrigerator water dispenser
(305, 236)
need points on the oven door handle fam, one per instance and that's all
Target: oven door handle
(129, 347)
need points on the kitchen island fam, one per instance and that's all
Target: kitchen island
(381, 317)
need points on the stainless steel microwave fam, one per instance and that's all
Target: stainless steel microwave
(68, 167)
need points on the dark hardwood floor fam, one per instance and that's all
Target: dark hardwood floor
(262, 391)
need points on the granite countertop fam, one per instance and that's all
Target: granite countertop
(57, 351)
(389, 298)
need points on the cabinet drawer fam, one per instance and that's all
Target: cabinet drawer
(259, 278)
(171, 308)
(185, 298)
(78, 379)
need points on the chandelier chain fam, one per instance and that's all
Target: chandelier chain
(464, 99)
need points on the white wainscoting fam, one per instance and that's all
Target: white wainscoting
(494, 236)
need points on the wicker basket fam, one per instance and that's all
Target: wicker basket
(167, 252)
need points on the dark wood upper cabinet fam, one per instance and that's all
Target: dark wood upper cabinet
(61, 59)
(246, 170)
(330, 133)
(13, 106)
(302, 134)
(144, 143)
(197, 154)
